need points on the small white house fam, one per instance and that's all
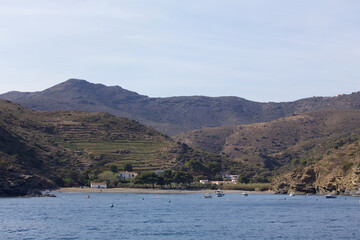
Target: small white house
(98, 185)
(234, 178)
(204, 181)
(127, 175)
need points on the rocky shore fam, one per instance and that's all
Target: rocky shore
(320, 180)
(17, 184)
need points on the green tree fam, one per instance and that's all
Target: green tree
(146, 178)
(168, 176)
(93, 174)
(183, 178)
(243, 178)
(218, 177)
(160, 181)
(68, 182)
(213, 168)
(114, 169)
(70, 173)
(109, 177)
(128, 167)
(196, 167)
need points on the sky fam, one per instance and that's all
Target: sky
(261, 50)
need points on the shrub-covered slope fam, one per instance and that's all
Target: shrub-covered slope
(305, 141)
(41, 149)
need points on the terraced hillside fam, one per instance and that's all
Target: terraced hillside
(40, 149)
(106, 139)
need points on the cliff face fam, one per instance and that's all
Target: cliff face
(337, 173)
(17, 182)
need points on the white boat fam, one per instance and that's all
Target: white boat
(292, 194)
(244, 194)
(330, 196)
(207, 195)
(219, 193)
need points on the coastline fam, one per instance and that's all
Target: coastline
(149, 191)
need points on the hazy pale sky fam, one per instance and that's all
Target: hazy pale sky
(261, 50)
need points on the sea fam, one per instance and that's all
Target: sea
(179, 216)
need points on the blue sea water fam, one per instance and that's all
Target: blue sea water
(179, 216)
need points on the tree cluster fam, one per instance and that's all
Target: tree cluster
(209, 170)
(168, 178)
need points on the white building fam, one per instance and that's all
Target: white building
(234, 178)
(98, 185)
(127, 175)
(204, 181)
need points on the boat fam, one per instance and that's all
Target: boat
(219, 193)
(244, 194)
(292, 194)
(207, 195)
(330, 196)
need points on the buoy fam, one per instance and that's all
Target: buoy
(169, 201)
(158, 196)
(88, 196)
(142, 198)
(111, 205)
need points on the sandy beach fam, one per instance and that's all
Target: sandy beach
(153, 191)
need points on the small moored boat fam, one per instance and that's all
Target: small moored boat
(244, 194)
(207, 195)
(292, 194)
(330, 196)
(219, 193)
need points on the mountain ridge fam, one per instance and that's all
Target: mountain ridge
(171, 115)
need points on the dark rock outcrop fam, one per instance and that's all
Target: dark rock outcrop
(338, 173)
(15, 183)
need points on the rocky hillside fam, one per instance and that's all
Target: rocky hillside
(171, 115)
(309, 150)
(276, 143)
(337, 173)
(40, 149)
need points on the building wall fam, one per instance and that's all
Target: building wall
(127, 175)
(98, 185)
